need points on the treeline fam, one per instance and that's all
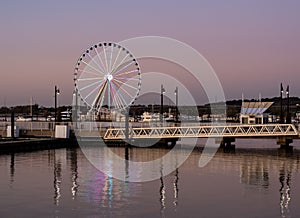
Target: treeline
(34, 109)
(233, 108)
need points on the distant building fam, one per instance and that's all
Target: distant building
(66, 115)
(254, 112)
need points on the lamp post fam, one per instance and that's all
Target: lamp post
(162, 91)
(56, 92)
(12, 125)
(5, 110)
(297, 107)
(176, 104)
(288, 117)
(281, 109)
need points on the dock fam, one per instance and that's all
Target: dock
(33, 144)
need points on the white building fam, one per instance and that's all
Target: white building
(254, 112)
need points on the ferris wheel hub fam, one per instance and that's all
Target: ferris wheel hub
(109, 77)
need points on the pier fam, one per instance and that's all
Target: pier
(225, 134)
(31, 136)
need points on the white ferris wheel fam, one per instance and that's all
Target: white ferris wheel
(107, 74)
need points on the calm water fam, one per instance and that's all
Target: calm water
(251, 182)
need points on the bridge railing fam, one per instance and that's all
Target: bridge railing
(237, 130)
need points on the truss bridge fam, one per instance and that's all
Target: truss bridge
(234, 131)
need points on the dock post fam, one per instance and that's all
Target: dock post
(228, 144)
(225, 143)
(285, 142)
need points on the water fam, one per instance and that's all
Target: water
(250, 182)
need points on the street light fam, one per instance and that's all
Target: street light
(176, 104)
(56, 92)
(162, 91)
(281, 109)
(288, 117)
(297, 107)
(12, 125)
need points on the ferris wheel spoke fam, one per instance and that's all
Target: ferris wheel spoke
(115, 99)
(103, 96)
(111, 56)
(123, 83)
(93, 59)
(122, 102)
(118, 101)
(115, 61)
(92, 92)
(127, 65)
(121, 87)
(128, 78)
(120, 98)
(127, 72)
(92, 67)
(102, 101)
(98, 96)
(100, 59)
(87, 79)
(105, 58)
(86, 71)
(92, 84)
(122, 62)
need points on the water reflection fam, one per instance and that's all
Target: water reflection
(126, 159)
(163, 192)
(72, 156)
(263, 179)
(285, 189)
(57, 179)
(175, 186)
(12, 167)
(254, 172)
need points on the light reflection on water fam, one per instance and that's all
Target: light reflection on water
(61, 182)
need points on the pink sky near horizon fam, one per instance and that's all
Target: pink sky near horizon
(253, 46)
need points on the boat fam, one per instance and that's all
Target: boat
(24, 119)
(150, 117)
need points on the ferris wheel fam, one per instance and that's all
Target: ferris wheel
(107, 74)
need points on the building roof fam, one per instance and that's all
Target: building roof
(255, 108)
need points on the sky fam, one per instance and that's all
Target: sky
(253, 46)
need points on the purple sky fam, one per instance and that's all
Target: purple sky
(252, 45)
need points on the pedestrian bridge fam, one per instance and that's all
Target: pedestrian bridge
(231, 130)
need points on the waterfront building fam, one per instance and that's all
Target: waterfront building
(254, 112)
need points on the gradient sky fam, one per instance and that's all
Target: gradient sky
(252, 45)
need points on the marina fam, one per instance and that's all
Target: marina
(150, 109)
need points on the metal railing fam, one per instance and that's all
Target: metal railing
(237, 130)
(32, 125)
